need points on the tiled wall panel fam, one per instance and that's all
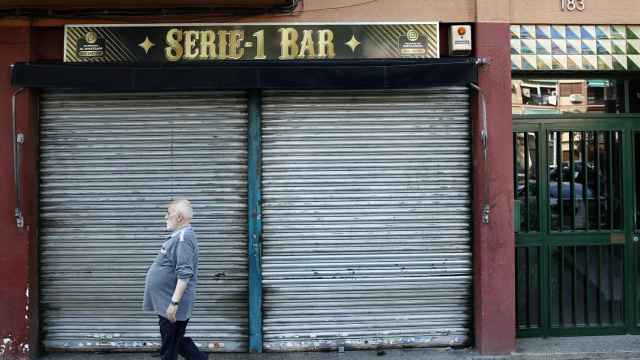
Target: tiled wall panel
(575, 47)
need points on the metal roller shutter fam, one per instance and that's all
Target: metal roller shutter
(110, 163)
(367, 217)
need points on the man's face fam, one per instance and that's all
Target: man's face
(173, 218)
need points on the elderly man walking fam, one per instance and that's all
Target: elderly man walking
(171, 282)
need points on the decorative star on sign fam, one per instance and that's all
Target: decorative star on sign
(353, 43)
(146, 45)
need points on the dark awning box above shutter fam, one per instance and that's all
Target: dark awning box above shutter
(128, 4)
(371, 74)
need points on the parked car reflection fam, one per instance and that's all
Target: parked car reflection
(583, 204)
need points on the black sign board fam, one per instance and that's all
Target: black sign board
(170, 43)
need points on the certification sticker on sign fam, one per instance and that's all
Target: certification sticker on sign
(413, 43)
(90, 46)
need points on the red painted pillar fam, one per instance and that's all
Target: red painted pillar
(494, 259)
(18, 257)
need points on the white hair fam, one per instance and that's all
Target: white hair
(183, 207)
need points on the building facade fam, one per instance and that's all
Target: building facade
(353, 177)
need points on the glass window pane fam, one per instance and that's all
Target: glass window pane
(587, 286)
(558, 96)
(585, 180)
(555, 298)
(594, 180)
(532, 171)
(604, 189)
(579, 190)
(616, 155)
(634, 96)
(636, 136)
(528, 287)
(555, 173)
(521, 288)
(562, 179)
(526, 179)
(618, 286)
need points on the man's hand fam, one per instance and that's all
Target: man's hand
(171, 312)
(181, 285)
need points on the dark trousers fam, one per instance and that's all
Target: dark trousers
(174, 342)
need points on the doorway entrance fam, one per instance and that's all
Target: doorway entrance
(577, 187)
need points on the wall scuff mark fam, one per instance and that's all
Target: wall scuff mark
(10, 349)
(6, 347)
(26, 306)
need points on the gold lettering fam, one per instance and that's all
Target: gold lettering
(222, 44)
(259, 35)
(173, 52)
(325, 44)
(207, 45)
(235, 42)
(306, 45)
(288, 46)
(190, 49)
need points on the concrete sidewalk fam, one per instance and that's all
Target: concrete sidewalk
(567, 348)
(587, 347)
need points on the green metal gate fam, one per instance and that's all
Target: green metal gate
(576, 180)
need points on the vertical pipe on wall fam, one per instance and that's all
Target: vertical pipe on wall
(254, 198)
(484, 137)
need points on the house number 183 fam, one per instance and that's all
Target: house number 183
(572, 5)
